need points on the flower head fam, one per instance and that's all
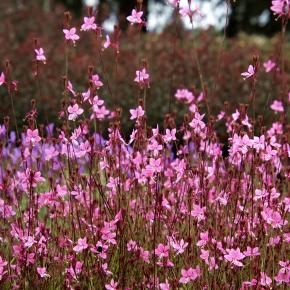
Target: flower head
(70, 34)
(249, 73)
(135, 17)
(89, 24)
(40, 55)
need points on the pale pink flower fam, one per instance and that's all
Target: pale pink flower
(265, 280)
(70, 34)
(32, 136)
(269, 65)
(142, 77)
(281, 7)
(179, 247)
(234, 256)
(169, 136)
(137, 113)
(162, 251)
(107, 43)
(112, 286)
(89, 24)
(251, 72)
(277, 106)
(283, 275)
(30, 241)
(2, 79)
(198, 212)
(81, 245)
(164, 286)
(189, 275)
(70, 88)
(42, 272)
(74, 112)
(135, 17)
(251, 252)
(96, 80)
(186, 11)
(40, 55)
(184, 95)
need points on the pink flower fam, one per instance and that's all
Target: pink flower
(184, 95)
(281, 7)
(32, 136)
(189, 275)
(234, 256)
(251, 252)
(112, 286)
(96, 80)
(89, 24)
(170, 135)
(81, 245)
(283, 275)
(186, 11)
(135, 17)
(74, 112)
(70, 88)
(179, 247)
(277, 106)
(137, 113)
(40, 55)
(142, 77)
(265, 280)
(107, 43)
(42, 272)
(70, 34)
(249, 73)
(2, 79)
(198, 212)
(164, 286)
(162, 251)
(269, 65)
(30, 241)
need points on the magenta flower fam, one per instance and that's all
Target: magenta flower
(269, 65)
(74, 112)
(40, 55)
(81, 245)
(42, 272)
(234, 256)
(137, 113)
(2, 79)
(249, 73)
(70, 34)
(277, 106)
(135, 17)
(89, 24)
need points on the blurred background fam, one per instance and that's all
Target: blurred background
(226, 37)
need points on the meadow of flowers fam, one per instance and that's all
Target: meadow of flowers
(170, 208)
